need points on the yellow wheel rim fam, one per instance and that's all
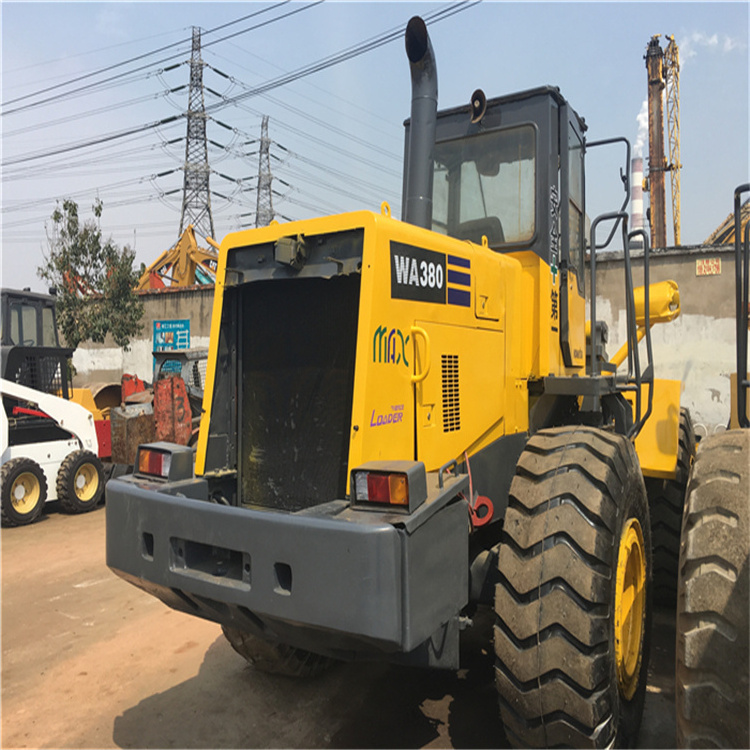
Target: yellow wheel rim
(630, 605)
(25, 493)
(86, 482)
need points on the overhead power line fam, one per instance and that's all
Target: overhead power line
(378, 165)
(14, 207)
(101, 110)
(345, 55)
(307, 116)
(93, 141)
(98, 157)
(114, 66)
(327, 62)
(98, 84)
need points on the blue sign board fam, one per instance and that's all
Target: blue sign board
(171, 334)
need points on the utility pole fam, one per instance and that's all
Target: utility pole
(264, 206)
(196, 197)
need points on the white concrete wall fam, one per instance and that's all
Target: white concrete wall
(698, 350)
(109, 363)
(97, 363)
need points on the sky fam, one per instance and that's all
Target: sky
(85, 88)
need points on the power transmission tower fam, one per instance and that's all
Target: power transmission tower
(264, 206)
(196, 198)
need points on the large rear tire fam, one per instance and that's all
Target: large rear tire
(573, 602)
(23, 488)
(667, 502)
(713, 608)
(276, 658)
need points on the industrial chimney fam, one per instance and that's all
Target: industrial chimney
(636, 198)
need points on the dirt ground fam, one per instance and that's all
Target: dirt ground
(88, 661)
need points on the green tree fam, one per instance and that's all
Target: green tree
(94, 279)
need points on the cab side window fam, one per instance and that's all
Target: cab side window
(23, 325)
(15, 324)
(28, 325)
(576, 205)
(49, 332)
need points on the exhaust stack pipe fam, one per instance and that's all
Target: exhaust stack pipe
(417, 208)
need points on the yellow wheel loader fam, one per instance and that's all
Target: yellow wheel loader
(407, 420)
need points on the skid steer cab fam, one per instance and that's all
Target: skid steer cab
(406, 420)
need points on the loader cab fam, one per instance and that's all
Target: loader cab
(28, 319)
(508, 171)
(511, 170)
(30, 350)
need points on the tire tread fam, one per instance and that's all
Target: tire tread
(552, 644)
(667, 501)
(276, 658)
(713, 646)
(68, 500)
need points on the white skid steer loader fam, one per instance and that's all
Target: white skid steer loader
(49, 452)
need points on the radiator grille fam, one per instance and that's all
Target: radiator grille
(297, 381)
(451, 406)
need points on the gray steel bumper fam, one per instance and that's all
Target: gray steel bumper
(348, 584)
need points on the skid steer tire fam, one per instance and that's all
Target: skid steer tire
(23, 489)
(80, 482)
(666, 503)
(573, 603)
(276, 658)
(713, 607)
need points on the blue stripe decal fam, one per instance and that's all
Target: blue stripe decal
(454, 260)
(460, 297)
(459, 277)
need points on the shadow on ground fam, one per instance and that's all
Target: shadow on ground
(230, 705)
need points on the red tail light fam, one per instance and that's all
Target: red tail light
(377, 487)
(154, 463)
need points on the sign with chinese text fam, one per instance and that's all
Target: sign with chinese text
(171, 334)
(708, 267)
